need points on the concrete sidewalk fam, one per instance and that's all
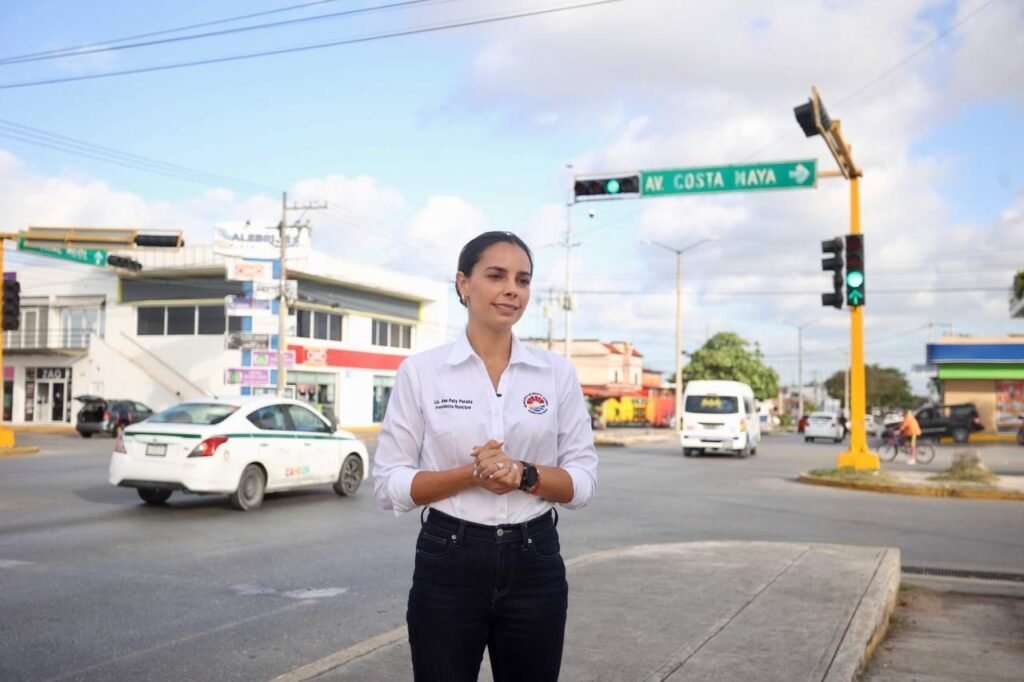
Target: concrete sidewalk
(728, 611)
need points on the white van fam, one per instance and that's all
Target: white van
(719, 415)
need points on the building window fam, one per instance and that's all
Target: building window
(181, 320)
(211, 319)
(314, 324)
(151, 321)
(392, 334)
(382, 387)
(235, 323)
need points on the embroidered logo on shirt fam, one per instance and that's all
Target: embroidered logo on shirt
(535, 403)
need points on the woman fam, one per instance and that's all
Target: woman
(487, 435)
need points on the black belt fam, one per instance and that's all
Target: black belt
(510, 532)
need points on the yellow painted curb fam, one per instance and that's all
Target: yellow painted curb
(982, 438)
(50, 428)
(609, 443)
(362, 429)
(919, 490)
(18, 451)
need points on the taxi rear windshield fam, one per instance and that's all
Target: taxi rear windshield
(194, 413)
(712, 404)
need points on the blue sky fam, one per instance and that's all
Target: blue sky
(419, 142)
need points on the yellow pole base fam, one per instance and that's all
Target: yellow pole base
(6, 437)
(863, 459)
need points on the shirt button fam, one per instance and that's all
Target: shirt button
(500, 532)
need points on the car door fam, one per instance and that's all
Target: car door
(272, 444)
(315, 447)
(928, 420)
(141, 412)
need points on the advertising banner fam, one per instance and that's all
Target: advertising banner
(250, 271)
(242, 240)
(247, 376)
(267, 324)
(236, 305)
(268, 358)
(246, 340)
(269, 291)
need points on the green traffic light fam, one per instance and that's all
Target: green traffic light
(612, 187)
(854, 278)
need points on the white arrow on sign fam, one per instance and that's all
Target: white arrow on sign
(800, 174)
(98, 258)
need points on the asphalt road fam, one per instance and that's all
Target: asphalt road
(94, 585)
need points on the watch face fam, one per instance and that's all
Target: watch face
(530, 477)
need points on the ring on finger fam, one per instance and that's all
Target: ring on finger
(501, 465)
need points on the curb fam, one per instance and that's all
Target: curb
(18, 451)
(869, 622)
(918, 490)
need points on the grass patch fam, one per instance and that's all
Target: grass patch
(851, 475)
(974, 473)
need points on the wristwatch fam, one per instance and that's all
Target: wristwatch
(531, 478)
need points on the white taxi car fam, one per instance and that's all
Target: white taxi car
(239, 446)
(824, 425)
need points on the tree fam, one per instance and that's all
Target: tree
(726, 356)
(886, 387)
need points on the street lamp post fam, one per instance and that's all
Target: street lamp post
(679, 320)
(800, 365)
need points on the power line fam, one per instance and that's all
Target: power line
(95, 48)
(241, 17)
(491, 19)
(77, 147)
(778, 292)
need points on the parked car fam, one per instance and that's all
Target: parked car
(957, 421)
(824, 425)
(99, 415)
(241, 446)
(1020, 432)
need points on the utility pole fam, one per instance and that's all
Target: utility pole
(282, 310)
(800, 365)
(547, 314)
(567, 302)
(678, 364)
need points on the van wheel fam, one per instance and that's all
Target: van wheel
(960, 434)
(249, 494)
(85, 435)
(807, 439)
(687, 452)
(838, 440)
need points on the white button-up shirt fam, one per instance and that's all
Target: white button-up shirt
(444, 404)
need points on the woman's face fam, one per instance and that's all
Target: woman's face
(498, 289)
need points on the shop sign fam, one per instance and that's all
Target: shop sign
(247, 376)
(51, 373)
(268, 358)
(246, 340)
(242, 240)
(250, 270)
(316, 356)
(239, 304)
(269, 291)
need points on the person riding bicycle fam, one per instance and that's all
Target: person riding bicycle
(909, 428)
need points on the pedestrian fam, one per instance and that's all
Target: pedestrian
(487, 435)
(910, 428)
(843, 424)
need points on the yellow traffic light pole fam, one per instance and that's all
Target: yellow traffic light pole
(815, 121)
(6, 433)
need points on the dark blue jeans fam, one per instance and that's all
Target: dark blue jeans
(499, 587)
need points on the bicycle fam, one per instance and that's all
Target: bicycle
(892, 445)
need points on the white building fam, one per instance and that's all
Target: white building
(162, 335)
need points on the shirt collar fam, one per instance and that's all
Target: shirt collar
(521, 353)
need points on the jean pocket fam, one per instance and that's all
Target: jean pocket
(432, 545)
(545, 545)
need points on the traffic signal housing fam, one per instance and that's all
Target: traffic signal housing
(606, 187)
(124, 263)
(833, 248)
(855, 270)
(169, 241)
(11, 305)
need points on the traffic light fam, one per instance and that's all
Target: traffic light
(124, 263)
(834, 249)
(12, 305)
(855, 270)
(607, 186)
(172, 241)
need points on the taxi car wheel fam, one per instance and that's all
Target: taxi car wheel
(153, 495)
(249, 494)
(350, 476)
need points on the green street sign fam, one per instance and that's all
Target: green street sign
(745, 178)
(86, 256)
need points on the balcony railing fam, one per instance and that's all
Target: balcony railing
(51, 339)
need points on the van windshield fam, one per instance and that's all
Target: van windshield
(712, 404)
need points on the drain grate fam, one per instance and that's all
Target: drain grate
(959, 573)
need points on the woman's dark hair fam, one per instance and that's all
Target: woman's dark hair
(475, 247)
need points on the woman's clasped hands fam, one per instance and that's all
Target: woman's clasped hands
(493, 470)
